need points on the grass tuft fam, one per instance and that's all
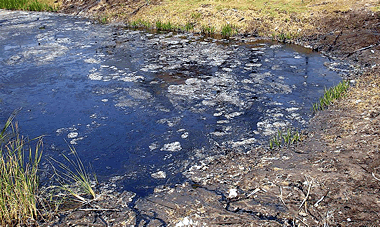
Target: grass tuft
(22, 200)
(139, 24)
(103, 20)
(228, 30)
(18, 176)
(208, 30)
(282, 37)
(189, 26)
(286, 138)
(168, 26)
(330, 95)
(74, 173)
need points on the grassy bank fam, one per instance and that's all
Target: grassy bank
(286, 18)
(22, 200)
(31, 5)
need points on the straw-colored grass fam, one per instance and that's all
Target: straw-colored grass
(18, 176)
(22, 201)
(71, 173)
(266, 17)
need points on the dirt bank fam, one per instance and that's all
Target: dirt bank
(331, 179)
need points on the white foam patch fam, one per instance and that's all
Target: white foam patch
(175, 146)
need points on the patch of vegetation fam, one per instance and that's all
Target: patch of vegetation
(74, 173)
(196, 16)
(103, 20)
(330, 95)
(168, 26)
(139, 24)
(228, 30)
(18, 176)
(284, 138)
(208, 30)
(189, 26)
(31, 5)
(282, 37)
(22, 200)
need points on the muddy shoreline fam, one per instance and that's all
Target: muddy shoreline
(331, 179)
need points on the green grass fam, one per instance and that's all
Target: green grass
(31, 5)
(330, 95)
(228, 30)
(103, 19)
(73, 172)
(208, 30)
(139, 24)
(189, 26)
(168, 26)
(18, 176)
(282, 37)
(22, 200)
(284, 138)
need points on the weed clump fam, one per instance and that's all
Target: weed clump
(139, 24)
(189, 26)
(74, 172)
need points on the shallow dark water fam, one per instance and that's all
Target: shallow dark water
(141, 107)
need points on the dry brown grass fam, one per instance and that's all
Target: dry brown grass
(265, 17)
(364, 96)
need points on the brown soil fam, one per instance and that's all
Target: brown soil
(331, 179)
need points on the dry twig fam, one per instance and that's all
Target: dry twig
(281, 197)
(373, 174)
(307, 195)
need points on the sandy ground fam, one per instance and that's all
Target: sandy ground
(331, 179)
